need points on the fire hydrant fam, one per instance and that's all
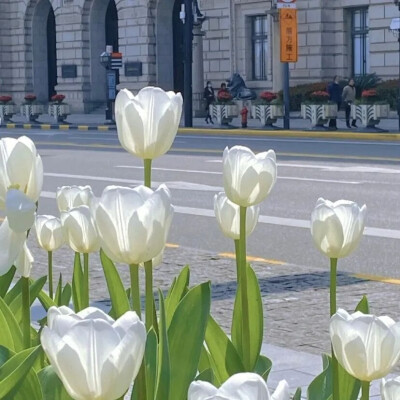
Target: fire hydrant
(244, 113)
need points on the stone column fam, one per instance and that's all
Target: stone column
(198, 72)
(277, 66)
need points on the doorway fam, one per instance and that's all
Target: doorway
(51, 53)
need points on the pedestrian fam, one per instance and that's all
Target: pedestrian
(223, 90)
(335, 96)
(209, 97)
(348, 98)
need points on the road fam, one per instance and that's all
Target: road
(364, 171)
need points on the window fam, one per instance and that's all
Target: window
(259, 41)
(360, 41)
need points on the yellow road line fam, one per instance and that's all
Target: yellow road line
(45, 127)
(254, 259)
(376, 278)
(102, 128)
(63, 127)
(10, 126)
(27, 126)
(172, 245)
(83, 127)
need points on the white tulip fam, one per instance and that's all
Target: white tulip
(242, 386)
(228, 216)
(95, 357)
(11, 245)
(24, 262)
(49, 232)
(366, 346)
(21, 168)
(337, 227)
(390, 389)
(20, 211)
(80, 230)
(147, 123)
(133, 224)
(248, 178)
(74, 196)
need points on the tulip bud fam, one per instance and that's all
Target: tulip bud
(147, 123)
(242, 386)
(68, 197)
(21, 168)
(390, 389)
(80, 230)
(133, 224)
(248, 178)
(20, 211)
(366, 346)
(228, 216)
(49, 232)
(337, 228)
(94, 356)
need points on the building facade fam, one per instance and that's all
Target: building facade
(40, 40)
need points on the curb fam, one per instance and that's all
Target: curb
(380, 136)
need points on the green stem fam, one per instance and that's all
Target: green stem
(26, 313)
(135, 291)
(335, 365)
(237, 251)
(148, 267)
(147, 173)
(50, 273)
(86, 280)
(243, 285)
(365, 390)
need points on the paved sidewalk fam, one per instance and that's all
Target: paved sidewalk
(295, 298)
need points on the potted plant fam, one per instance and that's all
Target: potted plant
(267, 109)
(224, 109)
(318, 109)
(7, 108)
(58, 109)
(370, 109)
(30, 109)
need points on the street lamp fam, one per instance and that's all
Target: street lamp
(395, 28)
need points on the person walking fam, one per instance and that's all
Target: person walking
(335, 95)
(348, 97)
(209, 97)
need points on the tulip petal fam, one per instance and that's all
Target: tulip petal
(199, 390)
(24, 261)
(20, 211)
(281, 392)
(11, 245)
(125, 322)
(245, 386)
(132, 134)
(94, 313)
(56, 311)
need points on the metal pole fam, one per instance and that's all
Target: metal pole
(398, 98)
(188, 90)
(286, 96)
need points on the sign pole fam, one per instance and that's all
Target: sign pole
(188, 89)
(286, 96)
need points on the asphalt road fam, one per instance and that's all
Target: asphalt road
(364, 171)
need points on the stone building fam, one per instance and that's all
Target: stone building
(38, 38)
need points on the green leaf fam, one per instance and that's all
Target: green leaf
(256, 319)
(263, 367)
(34, 291)
(206, 376)
(321, 387)
(77, 284)
(363, 305)
(52, 386)
(349, 387)
(15, 369)
(186, 337)
(150, 357)
(66, 295)
(225, 359)
(5, 281)
(204, 362)
(177, 291)
(13, 292)
(10, 332)
(163, 362)
(119, 299)
(46, 301)
(57, 296)
(297, 395)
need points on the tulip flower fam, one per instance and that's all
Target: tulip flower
(147, 123)
(248, 178)
(80, 230)
(133, 224)
(21, 168)
(74, 196)
(20, 210)
(242, 386)
(96, 357)
(366, 346)
(228, 216)
(390, 389)
(337, 227)
(49, 232)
